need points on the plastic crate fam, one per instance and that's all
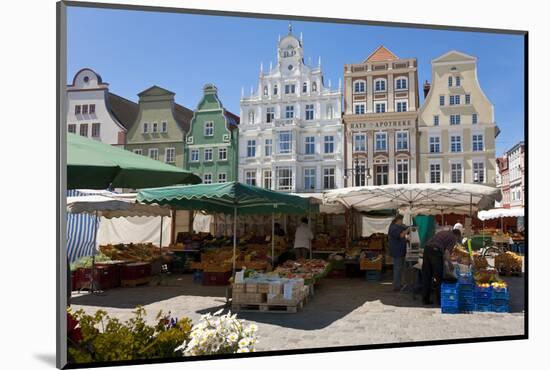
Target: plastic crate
(483, 301)
(483, 293)
(449, 309)
(373, 275)
(450, 296)
(500, 293)
(465, 279)
(466, 288)
(447, 288)
(483, 307)
(500, 302)
(467, 308)
(197, 277)
(500, 308)
(466, 300)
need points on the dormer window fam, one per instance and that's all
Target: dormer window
(209, 128)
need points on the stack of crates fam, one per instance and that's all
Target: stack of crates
(449, 298)
(500, 299)
(458, 297)
(483, 299)
(373, 275)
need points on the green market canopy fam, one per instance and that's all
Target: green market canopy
(95, 165)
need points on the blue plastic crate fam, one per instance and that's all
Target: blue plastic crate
(465, 280)
(467, 294)
(501, 308)
(450, 296)
(447, 309)
(467, 300)
(482, 301)
(466, 288)
(467, 308)
(449, 303)
(500, 293)
(447, 288)
(372, 275)
(500, 302)
(483, 307)
(197, 277)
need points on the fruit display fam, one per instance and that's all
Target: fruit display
(303, 269)
(509, 262)
(486, 276)
(371, 261)
(325, 242)
(86, 262)
(480, 262)
(375, 241)
(139, 252)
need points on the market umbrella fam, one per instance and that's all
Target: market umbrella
(228, 198)
(95, 165)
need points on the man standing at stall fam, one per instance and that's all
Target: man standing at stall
(397, 237)
(302, 239)
(437, 250)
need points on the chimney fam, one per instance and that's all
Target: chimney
(426, 88)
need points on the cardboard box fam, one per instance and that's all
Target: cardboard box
(251, 288)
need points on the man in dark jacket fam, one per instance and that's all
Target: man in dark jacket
(432, 262)
(397, 237)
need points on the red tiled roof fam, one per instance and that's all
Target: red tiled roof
(381, 54)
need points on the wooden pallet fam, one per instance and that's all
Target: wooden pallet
(266, 307)
(135, 282)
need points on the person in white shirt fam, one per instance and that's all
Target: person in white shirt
(302, 239)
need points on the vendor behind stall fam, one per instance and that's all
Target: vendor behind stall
(397, 237)
(302, 239)
(437, 250)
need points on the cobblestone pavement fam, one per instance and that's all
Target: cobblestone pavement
(342, 312)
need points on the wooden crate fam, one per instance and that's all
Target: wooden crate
(251, 288)
(249, 298)
(365, 264)
(239, 288)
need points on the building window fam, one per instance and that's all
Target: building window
(208, 155)
(267, 179)
(467, 99)
(290, 89)
(309, 112)
(359, 87)
(401, 106)
(330, 112)
(435, 173)
(222, 177)
(455, 119)
(270, 114)
(441, 100)
(401, 83)
(268, 147)
(84, 129)
(92, 108)
(450, 81)
(478, 172)
(251, 117)
(360, 143)
(380, 107)
(381, 174)
(164, 127)
(71, 128)
(95, 129)
(380, 142)
(435, 144)
(285, 142)
(402, 140)
(477, 143)
(309, 178)
(456, 172)
(154, 153)
(284, 178)
(289, 111)
(251, 148)
(474, 118)
(77, 109)
(170, 155)
(310, 145)
(454, 100)
(275, 90)
(314, 87)
(209, 128)
(359, 108)
(402, 171)
(222, 154)
(304, 87)
(207, 178)
(85, 109)
(250, 177)
(457, 80)
(329, 144)
(145, 128)
(456, 143)
(194, 155)
(155, 127)
(360, 168)
(329, 178)
(380, 84)
(436, 120)
(138, 151)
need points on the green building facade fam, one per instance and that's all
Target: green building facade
(160, 127)
(211, 149)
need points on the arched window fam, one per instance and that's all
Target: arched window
(330, 112)
(265, 90)
(401, 83)
(304, 87)
(314, 87)
(380, 84)
(275, 90)
(359, 87)
(251, 117)
(450, 81)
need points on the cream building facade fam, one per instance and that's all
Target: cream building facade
(456, 125)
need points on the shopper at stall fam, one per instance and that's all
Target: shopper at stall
(397, 236)
(302, 239)
(278, 230)
(437, 250)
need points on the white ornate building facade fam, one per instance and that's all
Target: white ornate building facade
(291, 133)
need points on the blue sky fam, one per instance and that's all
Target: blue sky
(133, 50)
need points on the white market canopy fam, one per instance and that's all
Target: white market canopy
(111, 205)
(418, 198)
(317, 198)
(499, 213)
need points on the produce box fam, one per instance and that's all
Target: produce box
(249, 298)
(135, 271)
(82, 278)
(216, 278)
(367, 264)
(372, 275)
(263, 288)
(279, 299)
(216, 268)
(116, 267)
(196, 265)
(107, 277)
(239, 288)
(251, 288)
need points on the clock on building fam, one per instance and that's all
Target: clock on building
(290, 67)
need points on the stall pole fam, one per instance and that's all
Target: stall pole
(273, 238)
(92, 284)
(234, 237)
(161, 226)
(442, 218)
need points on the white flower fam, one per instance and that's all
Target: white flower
(233, 337)
(243, 350)
(243, 342)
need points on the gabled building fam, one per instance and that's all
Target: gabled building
(212, 142)
(291, 134)
(380, 120)
(511, 173)
(456, 125)
(160, 127)
(95, 112)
